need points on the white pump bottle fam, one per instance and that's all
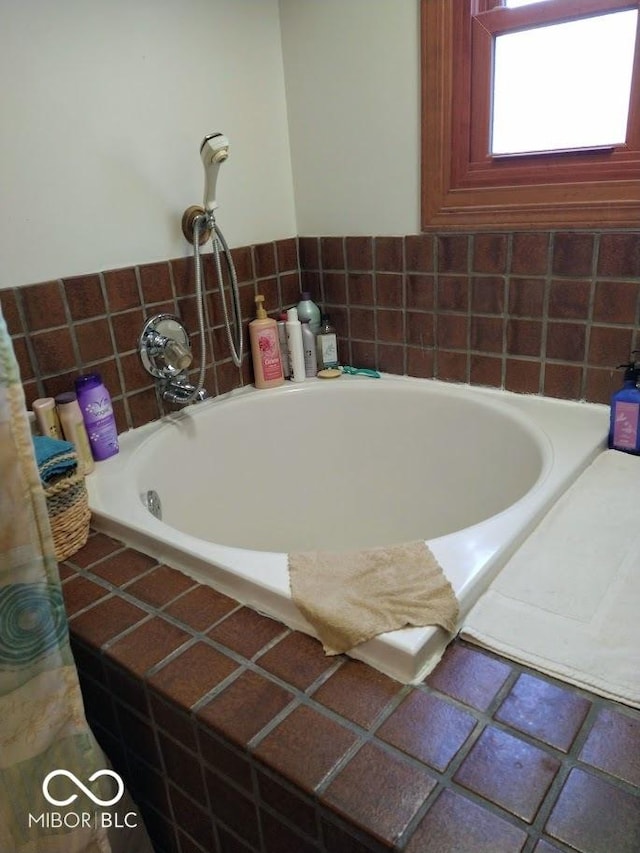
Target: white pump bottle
(294, 342)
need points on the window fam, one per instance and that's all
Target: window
(484, 162)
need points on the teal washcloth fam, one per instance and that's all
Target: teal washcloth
(53, 457)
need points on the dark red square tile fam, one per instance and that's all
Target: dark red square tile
(615, 302)
(453, 293)
(287, 254)
(613, 745)
(155, 281)
(233, 808)
(488, 295)
(526, 297)
(530, 253)
(305, 747)
(509, 772)
(183, 768)
(453, 252)
(420, 329)
(94, 340)
(175, 721)
(592, 816)
(277, 836)
(360, 286)
(487, 334)
(244, 707)
(451, 366)
(122, 289)
(428, 727)
(606, 343)
(84, 296)
(524, 337)
(43, 306)
(388, 254)
(80, 592)
(98, 546)
(246, 631)
(452, 331)
(359, 251)
(469, 675)
(485, 370)
(566, 341)
(337, 840)
(390, 326)
(419, 252)
(105, 620)
(389, 290)
(200, 607)
(138, 735)
(490, 253)
(563, 380)
(454, 824)
(147, 645)
(197, 821)
(522, 376)
(9, 305)
(124, 566)
(420, 292)
(297, 659)
(357, 692)
(619, 255)
(160, 586)
(296, 809)
(332, 253)
(309, 250)
(569, 299)
(379, 792)
(573, 253)
(335, 288)
(192, 674)
(225, 759)
(54, 351)
(544, 710)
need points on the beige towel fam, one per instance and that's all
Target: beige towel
(351, 596)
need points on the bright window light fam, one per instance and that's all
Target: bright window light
(563, 86)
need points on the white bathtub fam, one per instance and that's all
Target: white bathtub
(347, 463)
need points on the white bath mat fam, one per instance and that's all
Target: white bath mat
(568, 602)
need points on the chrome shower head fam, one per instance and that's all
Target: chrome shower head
(213, 151)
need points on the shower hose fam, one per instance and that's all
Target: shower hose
(219, 246)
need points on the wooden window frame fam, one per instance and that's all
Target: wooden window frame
(463, 186)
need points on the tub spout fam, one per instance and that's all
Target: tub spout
(179, 392)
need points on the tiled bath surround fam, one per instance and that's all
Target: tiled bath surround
(534, 312)
(92, 323)
(237, 735)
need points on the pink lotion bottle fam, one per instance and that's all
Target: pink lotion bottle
(265, 348)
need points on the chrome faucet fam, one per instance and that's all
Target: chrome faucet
(179, 392)
(165, 352)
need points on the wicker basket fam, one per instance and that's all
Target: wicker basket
(69, 514)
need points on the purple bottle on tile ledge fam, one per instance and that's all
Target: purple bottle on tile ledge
(97, 413)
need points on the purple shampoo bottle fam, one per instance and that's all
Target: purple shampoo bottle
(97, 413)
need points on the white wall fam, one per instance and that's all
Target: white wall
(103, 107)
(353, 87)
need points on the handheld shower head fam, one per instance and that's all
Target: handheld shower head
(213, 151)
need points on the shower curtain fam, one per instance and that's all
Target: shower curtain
(49, 802)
